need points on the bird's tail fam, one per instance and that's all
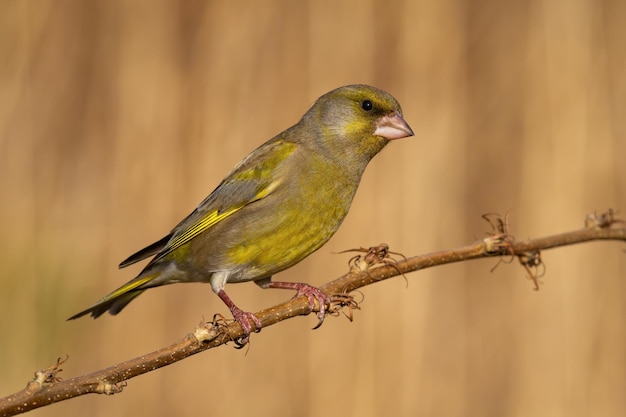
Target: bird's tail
(118, 299)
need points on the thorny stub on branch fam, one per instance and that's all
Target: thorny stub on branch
(531, 261)
(603, 220)
(374, 255)
(48, 376)
(339, 301)
(500, 240)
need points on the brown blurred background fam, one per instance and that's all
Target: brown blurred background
(118, 117)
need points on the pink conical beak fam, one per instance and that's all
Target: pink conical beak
(393, 126)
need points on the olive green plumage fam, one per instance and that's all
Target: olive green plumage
(278, 205)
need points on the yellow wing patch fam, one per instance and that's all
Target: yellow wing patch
(207, 221)
(213, 218)
(272, 154)
(128, 287)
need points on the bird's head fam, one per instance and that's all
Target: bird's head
(356, 121)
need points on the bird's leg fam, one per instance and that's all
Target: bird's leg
(245, 319)
(312, 293)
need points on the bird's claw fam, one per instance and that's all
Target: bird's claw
(245, 320)
(314, 294)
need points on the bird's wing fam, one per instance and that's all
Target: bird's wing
(146, 252)
(256, 177)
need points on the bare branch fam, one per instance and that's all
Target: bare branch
(377, 264)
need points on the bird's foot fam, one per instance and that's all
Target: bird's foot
(245, 320)
(313, 294)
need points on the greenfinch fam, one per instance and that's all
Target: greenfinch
(277, 206)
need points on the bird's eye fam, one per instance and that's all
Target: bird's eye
(367, 105)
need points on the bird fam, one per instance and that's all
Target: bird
(281, 203)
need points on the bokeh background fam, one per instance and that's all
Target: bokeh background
(118, 117)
